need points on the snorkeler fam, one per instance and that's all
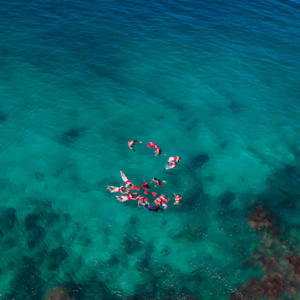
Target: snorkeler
(125, 179)
(174, 159)
(163, 201)
(177, 199)
(158, 182)
(146, 187)
(114, 189)
(157, 151)
(147, 206)
(171, 165)
(126, 198)
(134, 187)
(142, 200)
(172, 162)
(131, 143)
(157, 201)
(151, 144)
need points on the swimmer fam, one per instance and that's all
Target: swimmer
(158, 182)
(131, 143)
(163, 201)
(157, 201)
(172, 162)
(134, 187)
(126, 198)
(140, 200)
(171, 165)
(146, 186)
(128, 183)
(177, 199)
(151, 144)
(175, 159)
(114, 189)
(157, 151)
(147, 206)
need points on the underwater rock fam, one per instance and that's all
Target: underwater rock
(3, 183)
(58, 293)
(198, 161)
(160, 270)
(35, 236)
(189, 294)
(133, 221)
(295, 262)
(113, 260)
(235, 107)
(269, 263)
(56, 257)
(132, 243)
(8, 244)
(262, 219)
(250, 290)
(249, 262)
(193, 230)
(39, 176)
(8, 218)
(71, 135)
(27, 282)
(51, 218)
(2, 117)
(272, 287)
(227, 198)
(85, 190)
(31, 221)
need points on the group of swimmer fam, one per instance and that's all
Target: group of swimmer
(161, 201)
(172, 161)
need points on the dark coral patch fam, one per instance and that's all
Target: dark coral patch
(71, 135)
(227, 198)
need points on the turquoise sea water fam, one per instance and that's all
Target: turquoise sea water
(215, 82)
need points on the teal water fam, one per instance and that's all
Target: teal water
(216, 83)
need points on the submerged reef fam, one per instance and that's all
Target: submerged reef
(281, 269)
(71, 135)
(58, 293)
(262, 219)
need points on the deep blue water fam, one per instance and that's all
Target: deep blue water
(215, 82)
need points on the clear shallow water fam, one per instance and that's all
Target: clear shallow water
(213, 82)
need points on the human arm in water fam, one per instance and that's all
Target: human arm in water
(131, 143)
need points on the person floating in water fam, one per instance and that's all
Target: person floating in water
(157, 151)
(127, 182)
(146, 187)
(163, 201)
(131, 143)
(134, 187)
(147, 206)
(174, 159)
(126, 198)
(151, 144)
(158, 182)
(177, 199)
(172, 162)
(142, 200)
(114, 189)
